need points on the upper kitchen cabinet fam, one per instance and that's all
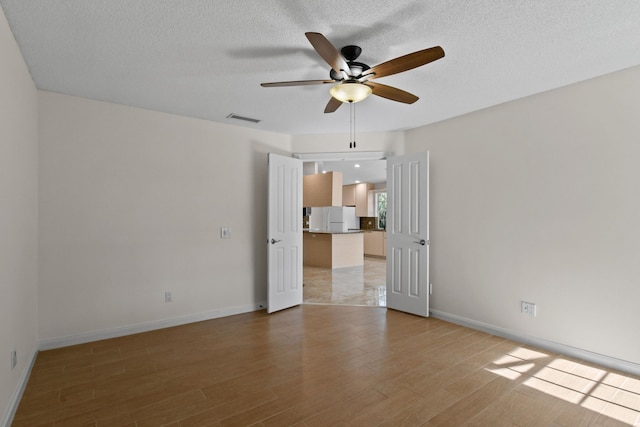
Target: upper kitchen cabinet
(358, 195)
(322, 189)
(349, 195)
(364, 206)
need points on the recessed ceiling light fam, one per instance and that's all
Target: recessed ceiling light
(356, 165)
(357, 182)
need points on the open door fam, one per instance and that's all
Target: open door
(284, 233)
(408, 233)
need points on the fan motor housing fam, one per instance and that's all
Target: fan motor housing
(356, 69)
(350, 53)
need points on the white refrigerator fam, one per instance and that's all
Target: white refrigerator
(334, 219)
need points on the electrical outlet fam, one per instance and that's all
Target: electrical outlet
(168, 296)
(528, 308)
(14, 359)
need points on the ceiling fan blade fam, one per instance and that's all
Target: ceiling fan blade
(328, 52)
(406, 62)
(392, 93)
(297, 83)
(332, 105)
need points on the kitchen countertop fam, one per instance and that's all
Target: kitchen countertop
(307, 230)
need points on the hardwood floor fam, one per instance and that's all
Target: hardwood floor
(364, 285)
(321, 365)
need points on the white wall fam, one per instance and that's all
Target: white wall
(131, 206)
(539, 200)
(18, 217)
(389, 142)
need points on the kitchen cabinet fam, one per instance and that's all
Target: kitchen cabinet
(358, 195)
(364, 203)
(332, 250)
(375, 243)
(349, 195)
(322, 189)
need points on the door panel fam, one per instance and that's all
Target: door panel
(284, 233)
(408, 233)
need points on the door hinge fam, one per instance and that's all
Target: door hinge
(428, 242)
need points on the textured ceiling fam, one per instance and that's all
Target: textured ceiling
(206, 58)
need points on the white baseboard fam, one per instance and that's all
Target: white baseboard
(147, 326)
(7, 418)
(588, 356)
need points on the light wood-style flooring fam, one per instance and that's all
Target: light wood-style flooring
(321, 365)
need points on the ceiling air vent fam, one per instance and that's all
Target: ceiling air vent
(246, 119)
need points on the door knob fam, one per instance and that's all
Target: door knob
(421, 242)
(274, 241)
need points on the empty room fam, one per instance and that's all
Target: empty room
(153, 225)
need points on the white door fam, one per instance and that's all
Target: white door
(284, 234)
(408, 233)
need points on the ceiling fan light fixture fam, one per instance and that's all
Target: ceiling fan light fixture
(350, 92)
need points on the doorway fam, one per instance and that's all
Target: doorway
(362, 285)
(406, 249)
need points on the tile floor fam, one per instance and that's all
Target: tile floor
(364, 285)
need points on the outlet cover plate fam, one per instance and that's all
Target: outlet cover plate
(528, 308)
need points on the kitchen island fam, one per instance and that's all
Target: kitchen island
(333, 249)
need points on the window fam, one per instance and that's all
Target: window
(381, 209)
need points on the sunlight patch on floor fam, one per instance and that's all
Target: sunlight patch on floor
(611, 394)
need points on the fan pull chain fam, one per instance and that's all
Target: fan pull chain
(352, 125)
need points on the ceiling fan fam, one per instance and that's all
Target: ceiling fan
(352, 78)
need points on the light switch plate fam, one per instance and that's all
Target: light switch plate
(225, 233)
